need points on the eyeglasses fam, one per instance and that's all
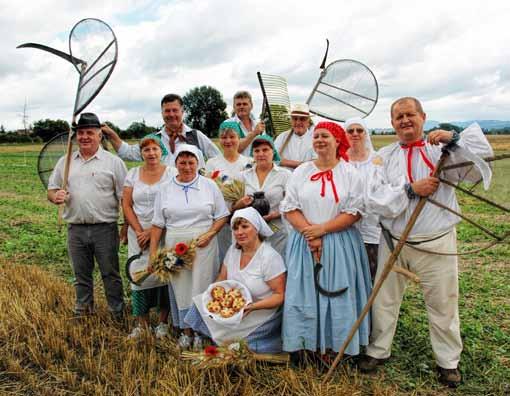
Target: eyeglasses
(359, 130)
(297, 118)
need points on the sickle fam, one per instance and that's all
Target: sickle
(316, 269)
(128, 265)
(67, 57)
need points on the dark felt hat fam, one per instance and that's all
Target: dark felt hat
(87, 120)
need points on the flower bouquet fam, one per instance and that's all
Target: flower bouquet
(232, 189)
(236, 353)
(169, 261)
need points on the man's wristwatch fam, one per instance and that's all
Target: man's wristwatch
(409, 191)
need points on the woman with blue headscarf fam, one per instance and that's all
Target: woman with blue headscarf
(268, 177)
(228, 167)
(140, 188)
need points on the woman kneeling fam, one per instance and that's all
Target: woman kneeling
(260, 268)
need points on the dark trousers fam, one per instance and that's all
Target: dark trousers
(99, 241)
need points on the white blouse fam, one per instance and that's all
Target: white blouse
(195, 204)
(265, 265)
(299, 148)
(305, 195)
(230, 169)
(387, 197)
(274, 186)
(369, 225)
(144, 194)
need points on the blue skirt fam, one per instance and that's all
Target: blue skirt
(264, 339)
(316, 322)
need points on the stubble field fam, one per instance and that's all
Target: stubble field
(43, 350)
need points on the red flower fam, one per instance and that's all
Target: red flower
(210, 350)
(215, 174)
(181, 248)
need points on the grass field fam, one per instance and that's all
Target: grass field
(42, 351)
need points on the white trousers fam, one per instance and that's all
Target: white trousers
(439, 283)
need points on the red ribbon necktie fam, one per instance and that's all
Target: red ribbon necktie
(410, 147)
(325, 176)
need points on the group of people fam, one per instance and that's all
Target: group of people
(309, 263)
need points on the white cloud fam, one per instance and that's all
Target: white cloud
(452, 55)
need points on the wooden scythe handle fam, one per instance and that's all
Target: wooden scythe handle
(388, 266)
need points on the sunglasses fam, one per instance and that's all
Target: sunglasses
(297, 118)
(359, 130)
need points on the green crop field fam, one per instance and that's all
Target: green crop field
(43, 352)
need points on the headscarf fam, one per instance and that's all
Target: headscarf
(268, 139)
(339, 134)
(157, 138)
(360, 121)
(189, 148)
(255, 219)
(230, 125)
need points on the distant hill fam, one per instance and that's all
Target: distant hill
(484, 124)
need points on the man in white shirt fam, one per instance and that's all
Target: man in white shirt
(295, 145)
(250, 127)
(173, 134)
(91, 199)
(401, 177)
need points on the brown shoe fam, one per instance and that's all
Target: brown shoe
(449, 377)
(368, 364)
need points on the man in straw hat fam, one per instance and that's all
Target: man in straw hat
(401, 177)
(295, 145)
(91, 209)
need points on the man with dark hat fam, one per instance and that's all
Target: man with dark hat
(91, 209)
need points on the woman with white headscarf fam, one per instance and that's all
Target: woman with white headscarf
(361, 155)
(254, 263)
(188, 207)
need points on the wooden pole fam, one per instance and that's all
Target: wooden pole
(386, 270)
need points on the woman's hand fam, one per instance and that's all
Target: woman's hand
(248, 309)
(150, 268)
(315, 246)
(271, 216)
(314, 231)
(123, 234)
(243, 202)
(143, 238)
(204, 239)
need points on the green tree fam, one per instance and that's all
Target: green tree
(205, 109)
(117, 130)
(46, 129)
(138, 130)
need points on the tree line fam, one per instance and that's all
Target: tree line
(205, 109)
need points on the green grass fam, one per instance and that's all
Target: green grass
(29, 234)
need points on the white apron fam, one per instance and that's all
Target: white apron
(189, 283)
(141, 264)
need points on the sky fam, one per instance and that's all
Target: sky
(452, 55)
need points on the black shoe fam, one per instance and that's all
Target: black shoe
(449, 377)
(368, 364)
